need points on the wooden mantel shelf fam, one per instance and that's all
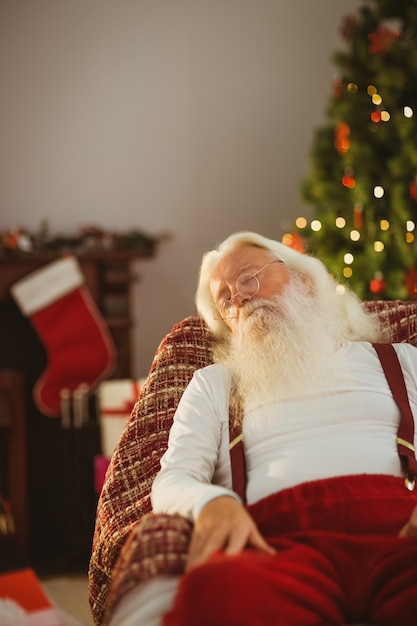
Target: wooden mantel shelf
(17, 265)
(94, 254)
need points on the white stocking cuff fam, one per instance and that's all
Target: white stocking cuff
(47, 284)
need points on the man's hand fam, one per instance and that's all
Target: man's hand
(224, 524)
(410, 529)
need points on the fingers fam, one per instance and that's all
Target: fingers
(410, 529)
(249, 537)
(259, 543)
(217, 522)
(203, 545)
(224, 524)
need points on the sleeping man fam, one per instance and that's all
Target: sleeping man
(314, 520)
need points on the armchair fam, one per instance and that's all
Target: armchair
(130, 542)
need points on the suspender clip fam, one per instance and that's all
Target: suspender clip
(407, 444)
(410, 482)
(235, 441)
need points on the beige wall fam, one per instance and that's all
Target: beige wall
(188, 116)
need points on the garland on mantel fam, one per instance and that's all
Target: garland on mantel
(88, 239)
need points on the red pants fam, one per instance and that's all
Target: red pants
(338, 561)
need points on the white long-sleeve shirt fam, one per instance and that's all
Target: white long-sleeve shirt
(348, 427)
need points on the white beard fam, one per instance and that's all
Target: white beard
(282, 346)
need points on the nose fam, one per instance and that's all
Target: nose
(239, 300)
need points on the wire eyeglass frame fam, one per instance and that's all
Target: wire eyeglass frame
(247, 284)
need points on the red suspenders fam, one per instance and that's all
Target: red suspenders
(405, 436)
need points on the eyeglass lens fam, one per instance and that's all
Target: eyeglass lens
(247, 285)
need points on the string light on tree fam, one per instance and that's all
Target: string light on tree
(301, 222)
(362, 183)
(409, 235)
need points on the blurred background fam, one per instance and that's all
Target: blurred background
(187, 118)
(164, 126)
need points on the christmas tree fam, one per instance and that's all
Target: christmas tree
(362, 183)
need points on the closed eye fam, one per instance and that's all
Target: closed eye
(225, 305)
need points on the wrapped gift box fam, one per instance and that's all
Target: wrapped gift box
(101, 464)
(116, 400)
(23, 602)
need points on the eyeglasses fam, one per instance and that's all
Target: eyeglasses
(247, 286)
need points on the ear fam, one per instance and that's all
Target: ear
(307, 282)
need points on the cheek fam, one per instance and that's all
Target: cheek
(283, 284)
(275, 286)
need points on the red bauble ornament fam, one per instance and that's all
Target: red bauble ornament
(338, 86)
(413, 190)
(294, 241)
(341, 138)
(377, 284)
(348, 180)
(381, 40)
(348, 27)
(10, 240)
(411, 283)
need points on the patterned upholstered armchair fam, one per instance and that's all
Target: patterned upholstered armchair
(130, 542)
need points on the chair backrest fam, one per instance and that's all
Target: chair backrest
(125, 497)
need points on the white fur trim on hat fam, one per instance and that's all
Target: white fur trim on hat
(47, 284)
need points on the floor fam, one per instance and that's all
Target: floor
(69, 594)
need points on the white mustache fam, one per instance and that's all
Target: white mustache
(249, 307)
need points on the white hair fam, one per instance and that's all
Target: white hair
(357, 324)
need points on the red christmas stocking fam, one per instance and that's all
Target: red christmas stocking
(78, 343)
